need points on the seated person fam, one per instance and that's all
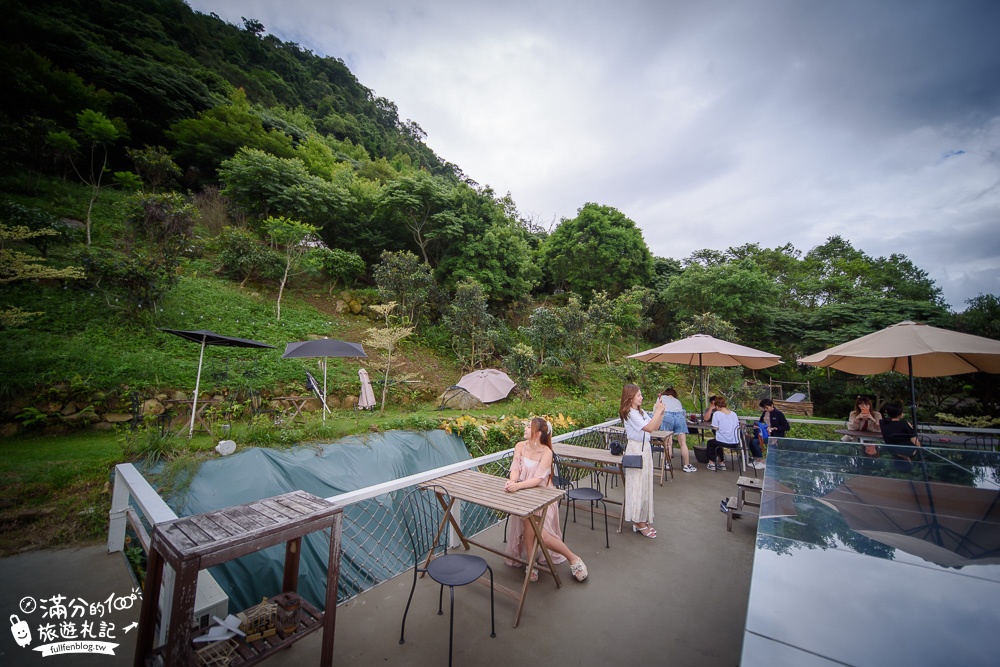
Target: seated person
(707, 417)
(726, 425)
(862, 418)
(898, 434)
(777, 424)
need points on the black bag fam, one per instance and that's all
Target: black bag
(634, 460)
(616, 445)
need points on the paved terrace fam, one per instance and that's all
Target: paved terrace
(680, 598)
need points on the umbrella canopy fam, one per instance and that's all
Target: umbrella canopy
(367, 397)
(323, 347)
(703, 350)
(946, 524)
(488, 385)
(206, 338)
(918, 350)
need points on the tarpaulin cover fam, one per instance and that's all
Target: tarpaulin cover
(323, 470)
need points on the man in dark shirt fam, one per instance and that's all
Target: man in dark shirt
(777, 425)
(898, 433)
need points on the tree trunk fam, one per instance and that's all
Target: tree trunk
(281, 288)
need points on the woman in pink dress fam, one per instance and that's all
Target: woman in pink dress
(531, 467)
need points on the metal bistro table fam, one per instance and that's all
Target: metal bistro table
(487, 491)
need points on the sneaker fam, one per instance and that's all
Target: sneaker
(689, 468)
(724, 505)
(759, 465)
(720, 466)
(711, 466)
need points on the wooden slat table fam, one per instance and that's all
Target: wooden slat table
(193, 543)
(487, 491)
(612, 465)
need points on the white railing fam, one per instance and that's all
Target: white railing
(131, 487)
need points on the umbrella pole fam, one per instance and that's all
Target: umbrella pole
(197, 385)
(913, 393)
(325, 408)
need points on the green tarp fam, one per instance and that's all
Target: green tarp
(373, 546)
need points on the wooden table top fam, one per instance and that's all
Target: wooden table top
(487, 490)
(594, 454)
(219, 533)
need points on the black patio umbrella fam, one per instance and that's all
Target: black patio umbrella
(206, 338)
(323, 347)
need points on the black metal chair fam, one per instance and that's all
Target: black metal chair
(135, 404)
(986, 443)
(423, 517)
(567, 478)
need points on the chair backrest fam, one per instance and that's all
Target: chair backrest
(566, 475)
(594, 439)
(982, 442)
(422, 515)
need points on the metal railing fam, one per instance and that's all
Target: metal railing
(371, 535)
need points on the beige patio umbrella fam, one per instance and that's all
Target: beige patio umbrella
(916, 349)
(704, 350)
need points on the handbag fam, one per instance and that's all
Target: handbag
(616, 446)
(634, 460)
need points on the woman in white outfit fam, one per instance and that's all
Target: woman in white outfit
(639, 481)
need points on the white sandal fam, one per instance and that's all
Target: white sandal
(579, 570)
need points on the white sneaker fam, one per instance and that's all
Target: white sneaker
(759, 465)
(711, 466)
(720, 466)
(689, 468)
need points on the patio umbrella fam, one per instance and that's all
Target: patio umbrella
(946, 524)
(209, 338)
(704, 350)
(488, 385)
(323, 348)
(918, 350)
(366, 399)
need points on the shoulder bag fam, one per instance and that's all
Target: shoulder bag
(634, 460)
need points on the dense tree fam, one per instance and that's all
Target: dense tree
(599, 249)
(403, 278)
(471, 325)
(421, 203)
(738, 292)
(216, 134)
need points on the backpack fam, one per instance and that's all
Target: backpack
(761, 431)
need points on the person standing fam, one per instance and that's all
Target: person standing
(674, 419)
(639, 481)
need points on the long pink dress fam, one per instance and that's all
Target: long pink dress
(517, 544)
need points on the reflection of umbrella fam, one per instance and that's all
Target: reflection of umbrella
(916, 349)
(704, 350)
(776, 500)
(209, 338)
(487, 385)
(367, 397)
(323, 347)
(946, 524)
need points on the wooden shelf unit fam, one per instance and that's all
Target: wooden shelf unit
(191, 544)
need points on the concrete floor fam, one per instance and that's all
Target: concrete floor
(678, 599)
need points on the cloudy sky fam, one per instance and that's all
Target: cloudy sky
(710, 123)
